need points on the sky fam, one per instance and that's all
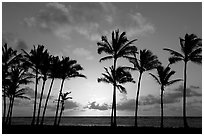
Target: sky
(73, 29)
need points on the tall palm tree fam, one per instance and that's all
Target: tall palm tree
(163, 79)
(119, 47)
(64, 97)
(53, 73)
(34, 60)
(68, 69)
(117, 78)
(147, 61)
(191, 50)
(9, 57)
(44, 69)
(18, 76)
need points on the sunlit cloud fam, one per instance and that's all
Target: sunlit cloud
(90, 20)
(81, 52)
(68, 105)
(95, 106)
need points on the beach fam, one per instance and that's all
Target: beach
(28, 129)
(101, 125)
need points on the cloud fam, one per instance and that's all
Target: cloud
(141, 25)
(31, 94)
(68, 105)
(88, 19)
(22, 102)
(12, 41)
(81, 52)
(169, 98)
(190, 92)
(172, 97)
(71, 105)
(21, 45)
(95, 106)
(126, 105)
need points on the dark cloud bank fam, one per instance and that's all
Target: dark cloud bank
(169, 98)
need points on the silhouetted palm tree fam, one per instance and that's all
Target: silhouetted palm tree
(64, 97)
(119, 47)
(68, 69)
(9, 57)
(117, 78)
(191, 50)
(18, 76)
(147, 61)
(44, 69)
(53, 73)
(35, 59)
(163, 79)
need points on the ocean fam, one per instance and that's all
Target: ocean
(121, 121)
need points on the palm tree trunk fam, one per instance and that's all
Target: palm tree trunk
(9, 110)
(46, 102)
(41, 95)
(58, 101)
(112, 110)
(184, 95)
(114, 95)
(10, 116)
(36, 89)
(114, 103)
(162, 91)
(4, 115)
(137, 99)
(60, 113)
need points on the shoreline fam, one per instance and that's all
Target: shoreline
(48, 129)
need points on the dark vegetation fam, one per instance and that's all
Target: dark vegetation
(19, 69)
(25, 129)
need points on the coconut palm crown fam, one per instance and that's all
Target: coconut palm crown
(122, 76)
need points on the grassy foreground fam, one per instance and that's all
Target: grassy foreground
(27, 129)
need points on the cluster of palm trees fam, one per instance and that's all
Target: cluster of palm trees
(145, 60)
(19, 69)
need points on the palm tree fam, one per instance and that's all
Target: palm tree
(34, 60)
(9, 57)
(117, 78)
(119, 47)
(18, 76)
(68, 69)
(53, 73)
(163, 79)
(64, 97)
(191, 50)
(147, 61)
(44, 69)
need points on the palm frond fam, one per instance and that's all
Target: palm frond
(157, 80)
(23, 97)
(128, 47)
(173, 59)
(174, 53)
(104, 49)
(196, 52)
(103, 80)
(173, 81)
(168, 75)
(197, 59)
(121, 89)
(106, 58)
